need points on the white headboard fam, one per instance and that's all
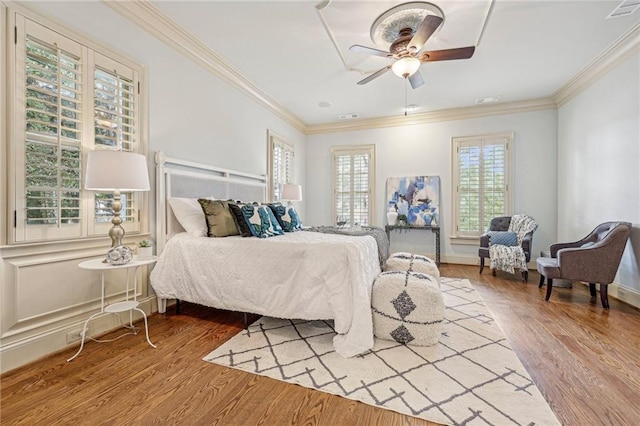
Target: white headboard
(188, 179)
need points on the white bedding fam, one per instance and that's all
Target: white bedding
(298, 275)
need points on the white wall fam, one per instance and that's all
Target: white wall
(192, 114)
(599, 162)
(425, 149)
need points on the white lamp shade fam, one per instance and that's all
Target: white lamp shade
(291, 192)
(109, 170)
(406, 66)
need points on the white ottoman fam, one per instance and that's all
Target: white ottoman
(407, 307)
(402, 261)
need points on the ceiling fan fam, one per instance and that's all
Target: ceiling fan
(406, 45)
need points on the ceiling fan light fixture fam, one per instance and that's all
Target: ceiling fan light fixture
(405, 67)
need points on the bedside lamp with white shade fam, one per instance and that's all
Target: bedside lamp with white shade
(291, 192)
(110, 170)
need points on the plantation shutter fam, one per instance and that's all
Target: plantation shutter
(469, 188)
(494, 188)
(352, 186)
(49, 77)
(115, 106)
(482, 191)
(342, 190)
(66, 99)
(282, 157)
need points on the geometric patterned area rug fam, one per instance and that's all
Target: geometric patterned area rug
(472, 376)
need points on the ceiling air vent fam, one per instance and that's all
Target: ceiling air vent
(625, 8)
(348, 116)
(488, 100)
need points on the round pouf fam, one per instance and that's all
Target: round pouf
(402, 261)
(407, 307)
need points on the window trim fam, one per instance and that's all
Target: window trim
(371, 150)
(13, 14)
(274, 139)
(455, 179)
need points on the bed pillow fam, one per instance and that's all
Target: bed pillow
(243, 226)
(261, 221)
(220, 221)
(286, 216)
(503, 238)
(190, 215)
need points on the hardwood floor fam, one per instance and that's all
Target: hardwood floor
(585, 360)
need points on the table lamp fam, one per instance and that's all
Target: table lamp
(110, 170)
(291, 192)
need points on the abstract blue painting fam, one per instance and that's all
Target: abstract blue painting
(415, 197)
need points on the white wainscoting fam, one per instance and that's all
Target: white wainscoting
(44, 296)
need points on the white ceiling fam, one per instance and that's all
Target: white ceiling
(528, 50)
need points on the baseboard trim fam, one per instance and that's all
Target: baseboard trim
(22, 352)
(624, 294)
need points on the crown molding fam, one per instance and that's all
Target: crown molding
(436, 116)
(153, 21)
(602, 64)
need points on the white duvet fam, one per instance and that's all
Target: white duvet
(298, 275)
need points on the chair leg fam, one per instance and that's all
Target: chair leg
(604, 297)
(541, 283)
(549, 289)
(592, 291)
(481, 264)
(493, 271)
(525, 276)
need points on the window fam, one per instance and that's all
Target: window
(68, 99)
(482, 173)
(281, 155)
(353, 171)
(115, 99)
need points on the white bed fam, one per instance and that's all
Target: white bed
(298, 275)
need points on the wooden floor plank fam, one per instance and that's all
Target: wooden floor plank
(584, 360)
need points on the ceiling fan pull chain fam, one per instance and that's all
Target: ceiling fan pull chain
(405, 96)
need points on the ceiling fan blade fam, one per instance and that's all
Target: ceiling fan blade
(426, 29)
(374, 75)
(416, 80)
(447, 54)
(370, 51)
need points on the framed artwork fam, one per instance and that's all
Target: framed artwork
(416, 199)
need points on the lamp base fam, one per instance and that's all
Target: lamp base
(117, 231)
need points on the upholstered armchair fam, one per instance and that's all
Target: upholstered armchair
(593, 259)
(502, 224)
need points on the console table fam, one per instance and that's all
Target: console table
(434, 229)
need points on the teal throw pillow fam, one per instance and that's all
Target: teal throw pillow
(261, 221)
(503, 238)
(287, 217)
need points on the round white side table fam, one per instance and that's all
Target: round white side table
(124, 306)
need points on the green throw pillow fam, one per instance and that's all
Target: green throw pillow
(220, 221)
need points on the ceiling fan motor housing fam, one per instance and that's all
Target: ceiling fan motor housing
(399, 46)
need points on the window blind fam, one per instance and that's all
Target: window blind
(482, 173)
(69, 99)
(114, 120)
(53, 134)
(352, 185)
(281, 168)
